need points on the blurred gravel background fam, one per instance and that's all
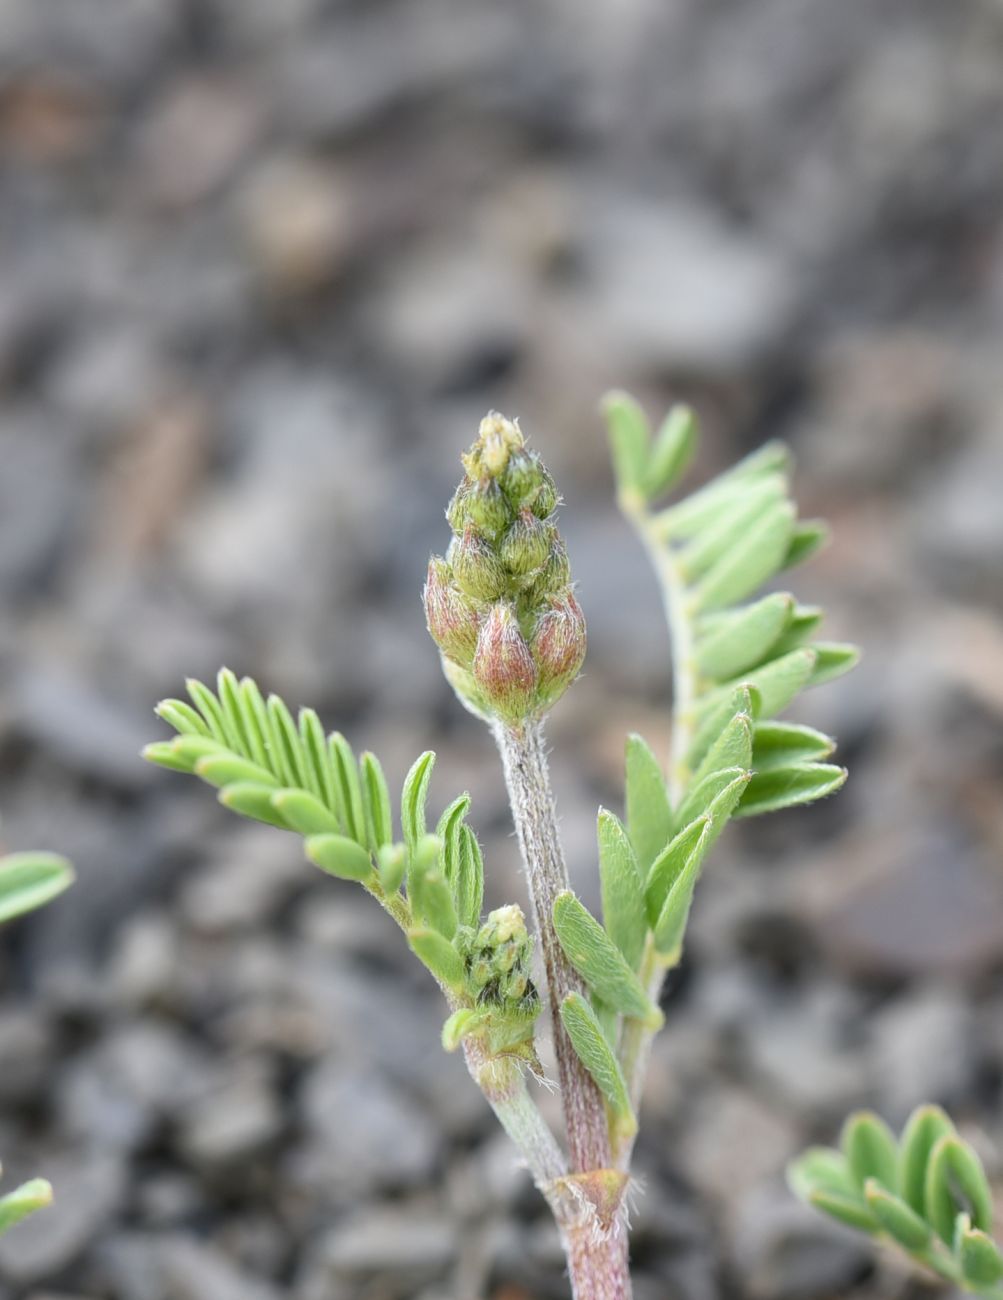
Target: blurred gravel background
(263, 266)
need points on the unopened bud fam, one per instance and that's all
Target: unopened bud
(451, 620)
(503, 666)
(526, 545)
(555, 576)
(477, 570)
(545, 501)
(558, 647)
(486, 508)
(523, 478)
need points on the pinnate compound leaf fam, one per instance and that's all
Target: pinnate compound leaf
(414, 797)
(954, 1165)
(738, 641)
(979, 1256)
(924, 1129)
(898, 1219)
(24, 1200)
(786, 787)
(671, 453)
(870, 1149)
(600, 963)
(339, 856)
(786, 744)
(622, 891)
(29, 880)
(594, 1051)
(649, 816)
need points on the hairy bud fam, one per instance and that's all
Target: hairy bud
(500, 957)
(503, 665)
(452, 622)
(505, 575)
(558, 646)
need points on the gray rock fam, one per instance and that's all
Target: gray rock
(91, 1186)
(924, 1050)
(397, 1245)
(155, 1266)
(363, 1133)
(235, 1121)
(26, 1050)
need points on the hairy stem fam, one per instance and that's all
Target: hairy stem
(504, 1086)
(525, 762)
(597, 1265)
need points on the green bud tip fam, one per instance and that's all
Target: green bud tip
(500, 605)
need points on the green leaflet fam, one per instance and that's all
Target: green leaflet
(469, 882)
(925, 1127)
(252, 800)
(785, 744)
(809, 537)
(628, 438)
(229, 769)
(346, 775)
(832, 660)
(286, 747)
(821, 1169)
(24, 1200)
(413, 798)
(737, 641)
(430, 895)
(164, 754)
(733, 748)
(671, 923)
(191, 749)
(728, 533)
(304, 813)
(953, 1164)
(777, 682)
(623, 908)
(871, 1150)
(211, 710)
(319, 769)
(785, 787)
(391, 866)
(703, 793)
(439, 955)
(899, 1220)
(981, 1263)
(467, 1020)
(802, 625)
(670, 863)
(714, 713)
(649, 817)
(846, 1209)
(599, 962)
(339, 856)
(595, 1053)
(182, 717)
(673, 449)
(448, 831)
(27, 880)
(376, 796)
(740, 571)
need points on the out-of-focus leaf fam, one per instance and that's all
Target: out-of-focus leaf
(741, 570)
(649, 817)
(832, 660)
(898, 1219)
(672, 450)
(924, 1129)
(628, 438)
(954, 1169)
(981, 1263)
(252, 800)
(339, 856)
(739, 640)
(809, 537)
(28, 880)
(870, 1149)
(304, 813)
(24, 1200)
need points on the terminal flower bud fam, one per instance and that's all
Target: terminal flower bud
(523, 478)
(452, 621)
(503, 666)
(486, 508)
(558, 646)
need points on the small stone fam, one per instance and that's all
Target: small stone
(233, 1123)
(416, 1245)
(923, 1051)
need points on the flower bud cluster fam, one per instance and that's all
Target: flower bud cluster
(500, 605)
(498, 959)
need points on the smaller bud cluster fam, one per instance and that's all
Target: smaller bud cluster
(498, 957)
(500, 605)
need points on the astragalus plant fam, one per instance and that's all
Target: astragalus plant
(27, 881)
(501, 607)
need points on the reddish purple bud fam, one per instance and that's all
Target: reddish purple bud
(452, 622)
(558, 646)
(503, 666)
